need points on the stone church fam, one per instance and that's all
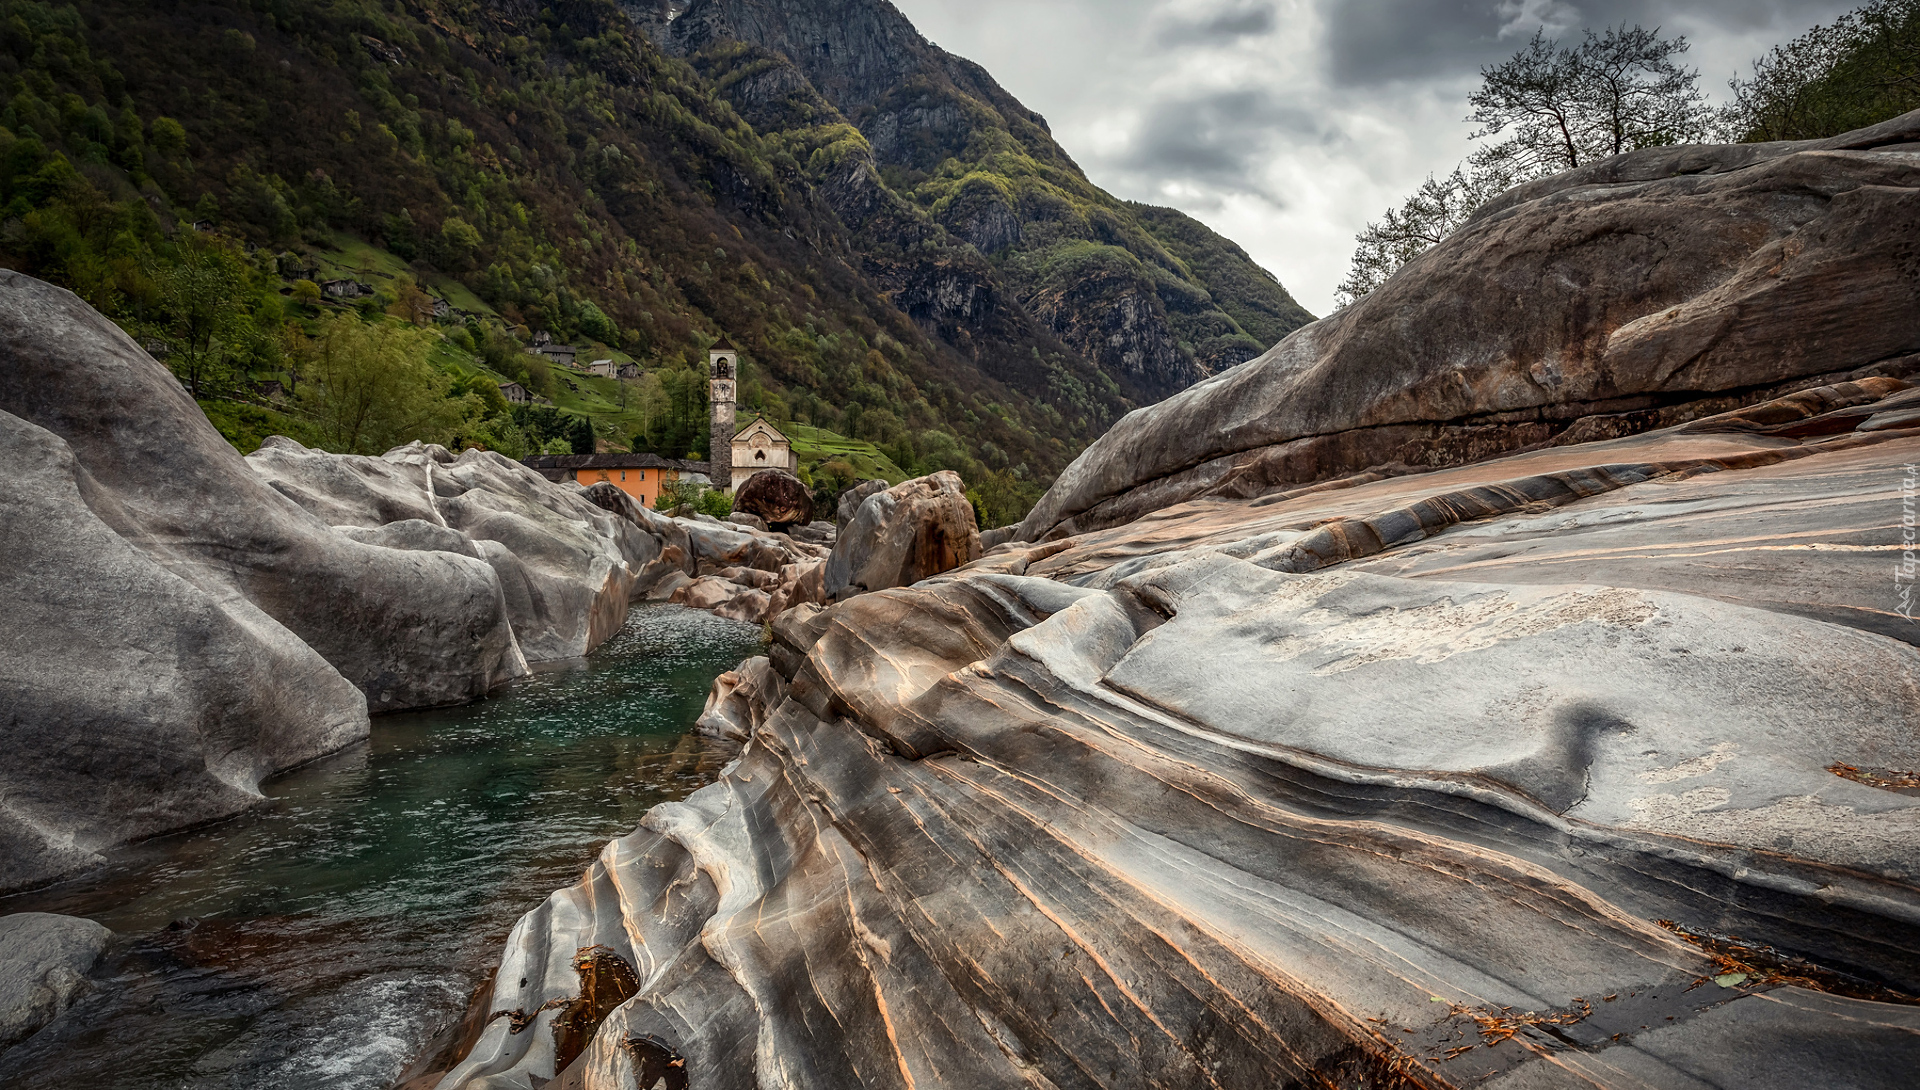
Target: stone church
(761, 446)
(735, 456)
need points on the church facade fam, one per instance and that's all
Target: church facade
(760, 446)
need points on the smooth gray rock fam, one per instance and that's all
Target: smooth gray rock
(410, 629)
(147, 685)
(1441, 779)
(751, 522)
(849, 503)
(44, 962)
(567, 567)
(912, 531)
(1610, 298)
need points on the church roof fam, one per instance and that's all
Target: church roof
(723, 345)
(759, 418)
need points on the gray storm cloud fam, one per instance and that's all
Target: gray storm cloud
(1289, 124)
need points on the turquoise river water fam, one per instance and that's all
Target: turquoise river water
(321, 941)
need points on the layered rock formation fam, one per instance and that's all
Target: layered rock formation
(1460, 778)
(186, 622)
(1656, 287)
(1279, 762)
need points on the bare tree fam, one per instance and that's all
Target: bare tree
(1556, 107)
(1437, 209)
(1561, 108)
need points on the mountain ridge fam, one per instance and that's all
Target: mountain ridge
(579, 177)
(967, 155)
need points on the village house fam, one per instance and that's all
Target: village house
(345, 289)
(640, 476)
(514, 393)
(562, 354)
(629, 370)
(760, 446)
(603, 368)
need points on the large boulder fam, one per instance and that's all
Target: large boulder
(410, 629)
(171, 615)
(567, 566)
(777, 497)
(1654, 287)
(907, 533)
(848, 505)
(44, 962)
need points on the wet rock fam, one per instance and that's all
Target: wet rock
(44, 962)
(777, 497)
(907, 533)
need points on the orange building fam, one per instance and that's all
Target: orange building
(638, 475)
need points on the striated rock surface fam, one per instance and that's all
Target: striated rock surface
(1656, 287)
(912, 531)
(567, 567)
(1591, 766)
(186, 622)
(44, 962)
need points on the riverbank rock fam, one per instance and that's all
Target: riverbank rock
(44, 962)
(179, 631)
(1593, 763)
(849, 503)
(568, 568)
(1656, 287)
(907, 533)
(776, 496)
(1463, 776)
(410, 629)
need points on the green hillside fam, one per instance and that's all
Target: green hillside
(185, 167)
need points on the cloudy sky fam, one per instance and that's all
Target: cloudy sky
(1288, 124)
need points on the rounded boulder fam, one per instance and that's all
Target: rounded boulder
(777, 497)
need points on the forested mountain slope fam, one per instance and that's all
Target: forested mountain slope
(547, 166)
(923, 154)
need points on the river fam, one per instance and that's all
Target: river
(320, 941)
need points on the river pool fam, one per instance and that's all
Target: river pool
(320, 941)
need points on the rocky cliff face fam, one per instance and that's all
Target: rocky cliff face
(1588, 764)
(1003, 253)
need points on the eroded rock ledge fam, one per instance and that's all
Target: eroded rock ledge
(1545, 771)
(1656, 287)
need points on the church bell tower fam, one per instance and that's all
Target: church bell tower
(722, 360)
